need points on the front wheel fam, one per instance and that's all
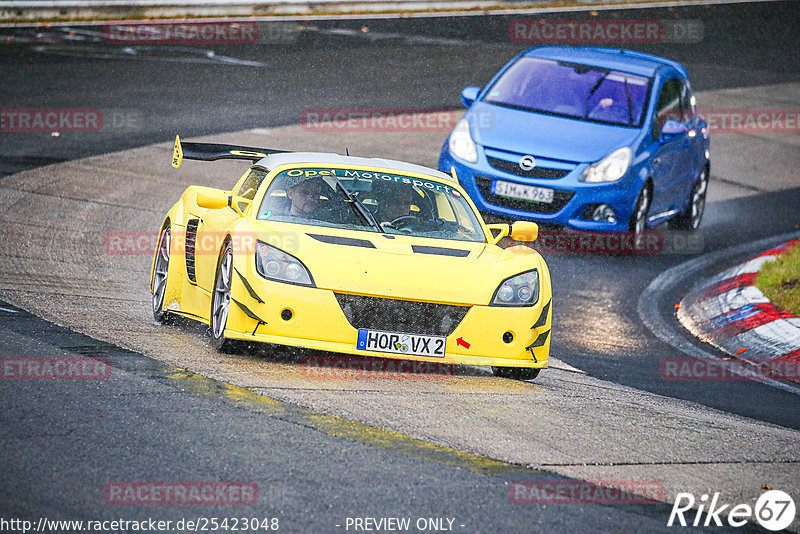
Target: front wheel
(160, 270)
(220, 304)
(516, 373)
(689, 219)
(638, 220)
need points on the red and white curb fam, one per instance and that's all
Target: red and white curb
(729, 312)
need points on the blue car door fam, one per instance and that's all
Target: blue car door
(668, 156)
(693, 158)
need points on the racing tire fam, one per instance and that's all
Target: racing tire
(689, 219)
(516, 373)
(638, 221)
(221, 300)
(160, 272)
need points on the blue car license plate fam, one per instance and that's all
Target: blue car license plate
(522, 192)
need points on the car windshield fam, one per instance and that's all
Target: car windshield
(370, 201)
(572, 90)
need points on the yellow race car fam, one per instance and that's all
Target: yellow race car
(352, 255)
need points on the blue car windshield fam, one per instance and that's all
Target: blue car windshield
(572, 90)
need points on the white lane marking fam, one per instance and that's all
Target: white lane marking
(731, 300)
(9, 311)
(555, 363)
(650, 299)
(169, 54)
(405, 37)
(750, 266)
(778, 337)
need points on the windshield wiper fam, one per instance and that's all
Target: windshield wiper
(592, 91)
(359, 208)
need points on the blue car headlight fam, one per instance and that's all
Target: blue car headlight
(519, 290)
(610, 168)
(461, 143)
(275, 264)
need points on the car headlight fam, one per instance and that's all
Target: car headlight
(610, 168)
(461, 143)
(519, 290)
(275, 264)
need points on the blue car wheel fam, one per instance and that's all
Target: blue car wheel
(689, 219)
(641, 209)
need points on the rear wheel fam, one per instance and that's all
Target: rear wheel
(516, 373)
(689, 219)
(638, 220)
(160, 270)
(221, 302)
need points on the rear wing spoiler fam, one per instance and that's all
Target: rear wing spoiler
(213, 152)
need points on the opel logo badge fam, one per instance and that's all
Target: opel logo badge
(527, 163)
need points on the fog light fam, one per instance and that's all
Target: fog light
(446, 325)
(508, 337)
(604, 213)
(348, 312)
(286, 314)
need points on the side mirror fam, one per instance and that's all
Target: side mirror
(469, 94)
(671, 130)
(524, 231)
(498, 231)
(212, 199)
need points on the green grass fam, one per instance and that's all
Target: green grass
(779, 280)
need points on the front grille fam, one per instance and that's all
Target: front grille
(560, 198)
(191, 237)
(536, 172)
(377, 313)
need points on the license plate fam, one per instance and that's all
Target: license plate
(522, 192)
(401, 343)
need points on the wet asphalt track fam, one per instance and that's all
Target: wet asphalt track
(743, 45)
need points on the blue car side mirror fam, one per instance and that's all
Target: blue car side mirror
(671, 130)
(469, 94)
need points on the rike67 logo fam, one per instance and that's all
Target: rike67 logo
(774, 510)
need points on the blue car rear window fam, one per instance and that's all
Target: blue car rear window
(572, 90)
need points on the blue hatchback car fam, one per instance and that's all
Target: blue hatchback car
(592, 138)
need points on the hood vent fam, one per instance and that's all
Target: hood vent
(441, 251)
(337, 240)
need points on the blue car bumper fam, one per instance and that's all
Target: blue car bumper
(573, 200)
